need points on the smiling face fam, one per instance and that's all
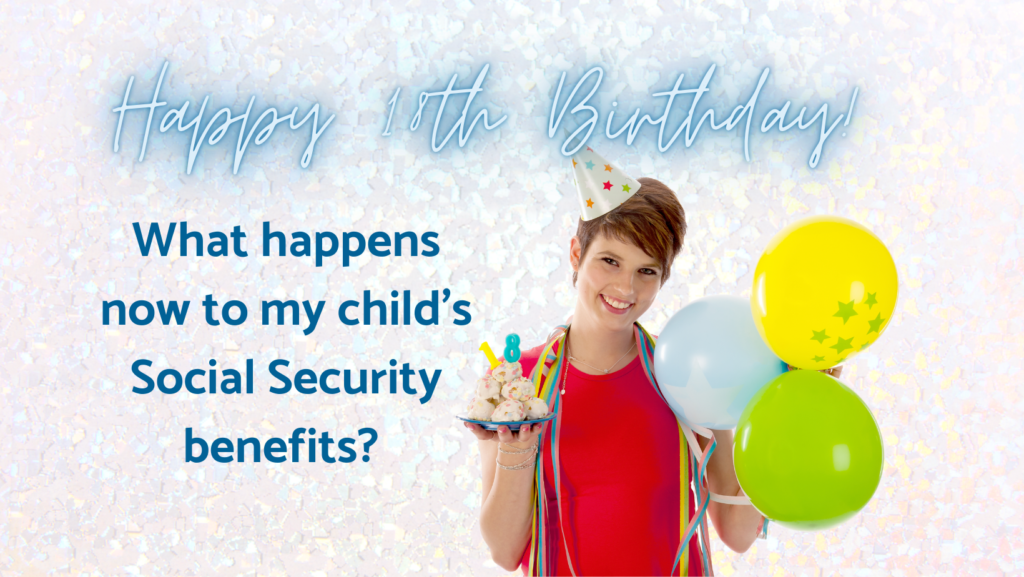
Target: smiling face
(617, 282)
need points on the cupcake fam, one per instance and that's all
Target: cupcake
(488, 388)
(510, 410)
(535, 408)
(519, 389)
(507, 372)
(480, 410)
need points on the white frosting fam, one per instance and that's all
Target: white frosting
(535, 408)
(488, 388)
(519, 389)
(510, 410)
(506, 372)
(480, 410)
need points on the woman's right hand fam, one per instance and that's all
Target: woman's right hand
(525, 437)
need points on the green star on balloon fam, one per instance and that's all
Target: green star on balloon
(870, 300)
(819, 336)
(818, 359)
(625, 188)
(845, 311)
(876, 324)
(843, 344)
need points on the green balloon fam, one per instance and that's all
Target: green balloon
(808, 452)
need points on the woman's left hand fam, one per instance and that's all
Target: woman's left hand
(737, 526)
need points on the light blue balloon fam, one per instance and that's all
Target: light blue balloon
(710, 361)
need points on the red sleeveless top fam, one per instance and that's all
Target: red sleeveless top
(619, 453)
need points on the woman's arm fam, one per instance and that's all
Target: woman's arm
(507, 505)
(737, 525)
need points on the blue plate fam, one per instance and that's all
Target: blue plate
(512, 425)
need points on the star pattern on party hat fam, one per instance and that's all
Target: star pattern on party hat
(600, 185)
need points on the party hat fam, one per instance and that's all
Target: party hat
(600, 185)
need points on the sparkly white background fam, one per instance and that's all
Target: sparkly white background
(93, 479)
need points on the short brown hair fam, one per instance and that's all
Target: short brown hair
(652, 219)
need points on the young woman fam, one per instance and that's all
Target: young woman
(621, 478)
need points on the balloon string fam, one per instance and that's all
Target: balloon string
(562, 373)
(701, 458)
(542, 373)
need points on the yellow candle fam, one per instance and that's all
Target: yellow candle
(486, 348)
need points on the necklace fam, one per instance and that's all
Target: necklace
(605, 371)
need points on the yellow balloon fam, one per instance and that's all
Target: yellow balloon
(824, 290)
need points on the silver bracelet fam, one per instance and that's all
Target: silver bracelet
(526, 464)
(530, 449)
